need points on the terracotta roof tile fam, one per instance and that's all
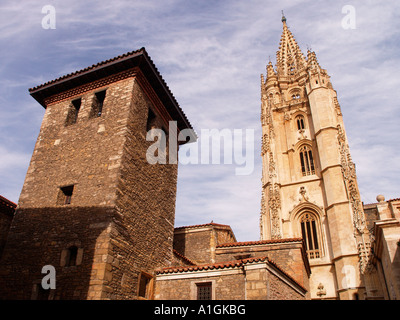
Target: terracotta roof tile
(97, 65)
(7, 202)
(224, 265)
(260, 242)
(204, 225)
(104, 68)
(213, 266)
(181, 256)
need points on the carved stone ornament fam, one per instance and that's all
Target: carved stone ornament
(364, 238)
(337, 106)
(287, 116)
(303, 192)
(321, 290)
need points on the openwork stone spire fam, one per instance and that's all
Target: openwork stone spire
(289, 58)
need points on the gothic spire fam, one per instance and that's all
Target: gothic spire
(289, 58)
(312, 60)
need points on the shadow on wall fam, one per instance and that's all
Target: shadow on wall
(69, 239)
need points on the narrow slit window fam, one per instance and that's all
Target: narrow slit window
(72, 256)
(303, 167)
(73, 112)
(310, 157)
(97, 105)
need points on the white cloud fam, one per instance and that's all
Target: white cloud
(211, 56)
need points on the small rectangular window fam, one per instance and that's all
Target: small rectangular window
(73, 112)
(97, 105)
(204, 291)
(65, 195)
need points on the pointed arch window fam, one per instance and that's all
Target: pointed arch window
(300, 122)
(307, 161)
(309, 232)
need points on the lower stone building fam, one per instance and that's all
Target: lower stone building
(246, 279)
(382, 279)
(7, 210)
(218, 269)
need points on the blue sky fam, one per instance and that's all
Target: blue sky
(211, 54)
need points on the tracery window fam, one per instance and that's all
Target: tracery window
(307, 161)
(295, 96)
(300, 122)
(310, 235)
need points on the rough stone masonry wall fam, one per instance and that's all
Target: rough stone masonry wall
(254, 284)
(194, 244)
(288, 256)
(261, 284)
(88, 155)
(6, 216)
(38, 237)
(143, 228)
(225, 287)
(198, 244)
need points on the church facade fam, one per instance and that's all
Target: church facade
(93, 208)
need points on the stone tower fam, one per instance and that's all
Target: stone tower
(309, 184)
(92, 206)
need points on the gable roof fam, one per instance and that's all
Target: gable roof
(183, 258)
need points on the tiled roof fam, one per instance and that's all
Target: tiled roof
(127, 61)
(7, 203)
(225, 265)
(213, 266)
(182, 257)
(92, 67)
(261, 242)
(204, 225)
(396, 199)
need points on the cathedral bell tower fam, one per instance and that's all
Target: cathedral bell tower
(309, 184)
